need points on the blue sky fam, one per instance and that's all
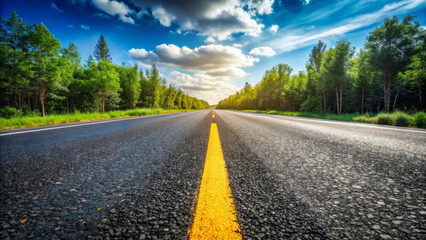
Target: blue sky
(209, 49)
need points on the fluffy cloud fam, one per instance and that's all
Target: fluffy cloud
(164, 17)
(115, 8)
(85, 27)
(203, 86)
(211, 67)
(273, 28)
(217, 20)
(208, 59)
(260, 6)
(263, 51)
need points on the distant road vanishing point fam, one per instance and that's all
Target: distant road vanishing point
(213, 174)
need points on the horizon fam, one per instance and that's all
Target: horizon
(211, 53)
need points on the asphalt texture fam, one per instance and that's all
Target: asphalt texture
(291, 178)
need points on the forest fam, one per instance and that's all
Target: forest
(388, 74)
(38, 77)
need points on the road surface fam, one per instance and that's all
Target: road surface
(139, 178)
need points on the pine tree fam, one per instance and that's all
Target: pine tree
(102, 51)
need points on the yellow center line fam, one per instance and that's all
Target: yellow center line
(215, 216)
(213, 116)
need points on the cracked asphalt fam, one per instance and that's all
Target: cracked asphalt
(291, 178)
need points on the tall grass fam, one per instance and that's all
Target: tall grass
(396, 118)
(26, 121)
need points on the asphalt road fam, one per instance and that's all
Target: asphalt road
(291, 178)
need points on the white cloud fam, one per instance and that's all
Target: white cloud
(261, 7)
(53, 6)
(211, 67)
(292, 39)
(85, 27)
(273, 28)
(206, 59)
(263, 51)
(203, 86)
(164, 17)
(115, 8)
(217, 20)
(102, 15)
(70, 26)
(306, 2)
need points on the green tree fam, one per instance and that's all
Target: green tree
(15, 70)
(392, 45)
(69, 65)
(170, 97)
(315, 85)
(45, 53)
(178, 99)
(101, 50)
(364, 75)
(129, 82)
(146, 89)
(105, 81)
(155, 82)
(335, 69)
(415, 73)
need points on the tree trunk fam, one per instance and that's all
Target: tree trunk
(68, 108)
(420, 93)
(16, 101)
(387, 92)
(362, 99)
(341, 98)
(42, 97)
(133, 101)
(29, 103)
(325, 103)
(103, 103)
(19, 102)
(396, 97)
(337, 100)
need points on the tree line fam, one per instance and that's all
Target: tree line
(387, 74)
(38, 75)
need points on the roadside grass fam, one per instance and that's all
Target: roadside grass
(396, 118)
(29, 121)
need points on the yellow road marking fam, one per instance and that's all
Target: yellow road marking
(215, 216)
(213, 116)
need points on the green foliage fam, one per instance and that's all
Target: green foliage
(129, 82)
(45, 55)
(396, 118)
(391, 46)
(312, 104)
(401, 119)
(105, 81)
(102, 51)
(419, 120)
(384, 118)
(10, 112)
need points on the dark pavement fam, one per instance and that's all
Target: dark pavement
(291, 178)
